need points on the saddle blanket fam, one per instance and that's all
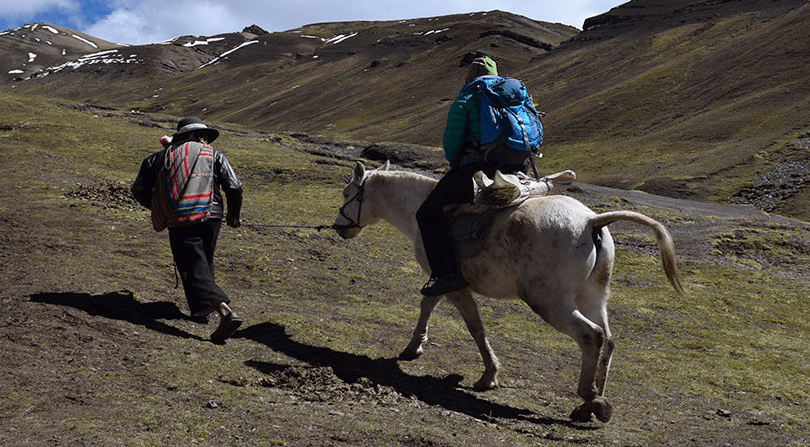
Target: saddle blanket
(471, 224)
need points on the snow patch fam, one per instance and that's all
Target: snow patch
(434, 31)
(85, 41)
(340, 38)
(103, 57)
(203, 42)
(218, 58)
(100, 53)
(31, 57)
(53, 30)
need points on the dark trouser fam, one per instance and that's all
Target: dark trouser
(193, 249)
(455, 187)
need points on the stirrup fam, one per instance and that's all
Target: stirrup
(440, 285)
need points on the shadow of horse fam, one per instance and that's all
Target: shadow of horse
(444, 392)
(123, 306)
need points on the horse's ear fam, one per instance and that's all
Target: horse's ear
(386, 166)
(359, 173)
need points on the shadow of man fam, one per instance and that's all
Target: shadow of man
(123, 306)
(444, 392)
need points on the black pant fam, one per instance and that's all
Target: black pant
(455, 187)
(193, 249)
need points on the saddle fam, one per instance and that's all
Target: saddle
(470, 224)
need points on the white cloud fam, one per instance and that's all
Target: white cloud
(152, 21)
(28, 7)
(119, 27)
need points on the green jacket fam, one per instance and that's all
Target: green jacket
(463, 130)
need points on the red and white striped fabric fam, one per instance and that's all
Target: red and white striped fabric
(184, 189)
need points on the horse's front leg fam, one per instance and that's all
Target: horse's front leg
(466, 305)
(420, 333)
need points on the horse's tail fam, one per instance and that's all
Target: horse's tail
(665, 244)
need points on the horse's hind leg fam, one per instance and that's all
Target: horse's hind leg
(591, 338)
(420, 333)
(592, 304)
(466, 305)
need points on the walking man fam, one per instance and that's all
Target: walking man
(181, 186)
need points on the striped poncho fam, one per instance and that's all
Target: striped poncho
(184, 188)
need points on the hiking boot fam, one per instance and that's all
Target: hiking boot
(227, 326)
(445, 284)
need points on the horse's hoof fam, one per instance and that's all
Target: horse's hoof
(602, 409)
(410, 354)
(599, 407)
(486, 384)
(581, 414)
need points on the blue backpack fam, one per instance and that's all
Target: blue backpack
(510, 126)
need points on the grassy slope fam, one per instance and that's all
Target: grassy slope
(695, 111)
(109, 361)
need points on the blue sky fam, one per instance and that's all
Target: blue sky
(152, 21)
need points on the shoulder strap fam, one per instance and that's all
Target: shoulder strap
(481, 82)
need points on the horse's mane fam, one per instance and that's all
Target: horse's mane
(408, 186)
(419, 178)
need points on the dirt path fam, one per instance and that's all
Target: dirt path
(680, 205)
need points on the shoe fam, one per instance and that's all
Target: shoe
(227, 326)
(444, 284)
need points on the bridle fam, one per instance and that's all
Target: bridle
(354, 223)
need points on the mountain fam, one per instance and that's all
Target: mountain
(39, 47)
(647, 17)
(706, 100)
(62, 60)
(361, 79)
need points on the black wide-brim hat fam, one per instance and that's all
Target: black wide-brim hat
(191, 124)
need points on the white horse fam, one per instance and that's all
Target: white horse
(552, 252)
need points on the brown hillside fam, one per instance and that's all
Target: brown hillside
(694, 104)
(704, 100)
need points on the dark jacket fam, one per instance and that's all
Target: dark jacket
(224, 178)
(462, 133)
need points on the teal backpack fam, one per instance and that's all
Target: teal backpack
(510, 126)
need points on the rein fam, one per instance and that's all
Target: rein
(315, 227)
(354, 223)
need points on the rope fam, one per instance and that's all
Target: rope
(315, 227)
